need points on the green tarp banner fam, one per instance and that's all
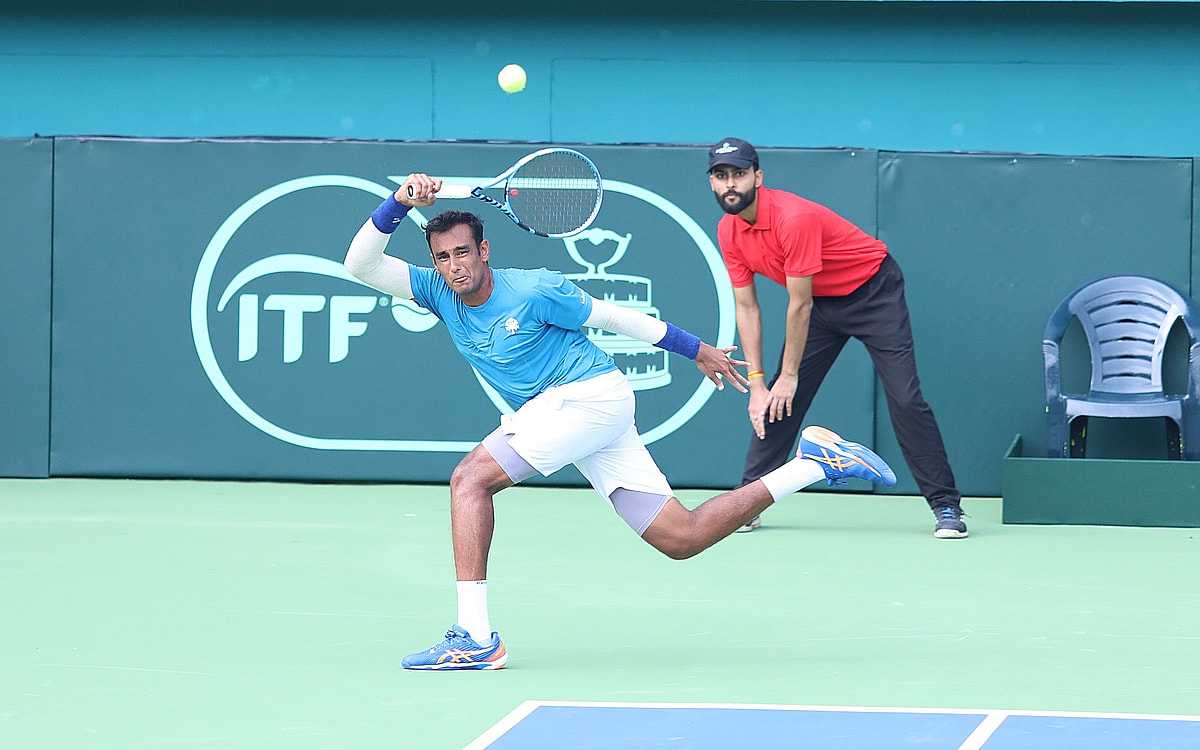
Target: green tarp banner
(203, 325)
(25, 221)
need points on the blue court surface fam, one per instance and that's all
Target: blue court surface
(553, 725)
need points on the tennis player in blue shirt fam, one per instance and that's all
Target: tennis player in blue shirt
(523, 332)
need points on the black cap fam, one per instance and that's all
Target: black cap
(732, 151)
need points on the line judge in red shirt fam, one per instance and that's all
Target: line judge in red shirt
(841, 283)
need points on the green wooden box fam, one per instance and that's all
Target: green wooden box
(1099, 491)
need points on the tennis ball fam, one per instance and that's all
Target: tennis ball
(511, 78)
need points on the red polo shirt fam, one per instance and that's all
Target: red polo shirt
(794, 237)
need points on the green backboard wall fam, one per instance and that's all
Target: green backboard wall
(25, 221)
(990, 245)
(206, 328)
(203, 325)
(1195, 276)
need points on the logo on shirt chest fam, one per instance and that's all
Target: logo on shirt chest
(512, 326)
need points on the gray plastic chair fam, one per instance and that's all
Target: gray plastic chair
(1126, 320)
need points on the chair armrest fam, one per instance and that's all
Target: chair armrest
(1054, 371)
(1193, 385)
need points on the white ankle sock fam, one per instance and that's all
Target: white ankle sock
(794, 475)
(473, 611)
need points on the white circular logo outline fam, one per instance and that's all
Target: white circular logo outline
(201, 289)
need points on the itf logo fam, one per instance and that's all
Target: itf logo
(292, 342)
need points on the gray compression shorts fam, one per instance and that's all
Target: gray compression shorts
(517, 468)
(636, 508)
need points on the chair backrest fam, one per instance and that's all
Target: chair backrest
(1127, 320)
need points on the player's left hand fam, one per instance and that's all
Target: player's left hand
(718, 365)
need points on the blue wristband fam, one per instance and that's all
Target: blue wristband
(389, 214)
(680, 341)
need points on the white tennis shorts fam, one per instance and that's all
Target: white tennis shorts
(590, 424)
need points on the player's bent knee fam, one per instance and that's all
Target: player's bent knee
(674, 548)
(672, 532)
(478, 470)
(680, 551)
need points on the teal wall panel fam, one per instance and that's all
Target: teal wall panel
(216, 95)
(25, 219)
(927, 105)
(175, 353)
(150, 407)
(1195, 275)
(990, 244)
(1061, 78)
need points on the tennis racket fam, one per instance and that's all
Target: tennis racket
(554, 192)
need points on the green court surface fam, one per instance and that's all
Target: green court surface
(265, 616)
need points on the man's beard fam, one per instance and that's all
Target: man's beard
(743, 201)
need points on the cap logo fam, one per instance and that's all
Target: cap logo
(725, 148)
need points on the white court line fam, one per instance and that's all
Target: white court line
(984, 731)
(869, 709)
(514, 717)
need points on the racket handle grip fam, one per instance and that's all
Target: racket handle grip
(454, 191)
(449, 191)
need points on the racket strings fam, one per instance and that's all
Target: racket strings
(556, 193)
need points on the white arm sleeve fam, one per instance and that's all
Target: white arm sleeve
(366, 261)
(626, 322)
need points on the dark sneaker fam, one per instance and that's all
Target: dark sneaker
(949, 522)
(750, 525)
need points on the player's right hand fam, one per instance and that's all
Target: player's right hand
(418, 190)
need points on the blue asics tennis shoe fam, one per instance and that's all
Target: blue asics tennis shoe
(842, 458)
(459, 651)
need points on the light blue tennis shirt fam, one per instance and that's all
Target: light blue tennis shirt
(526, 338)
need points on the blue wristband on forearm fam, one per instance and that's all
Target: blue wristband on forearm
(389, 214)
(680, 341)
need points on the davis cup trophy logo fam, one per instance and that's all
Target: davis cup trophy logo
(645, 366)
(277, 333)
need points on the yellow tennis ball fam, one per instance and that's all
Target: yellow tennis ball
(511, 78)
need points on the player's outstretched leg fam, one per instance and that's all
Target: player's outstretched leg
(842, 458)
(459, 651)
